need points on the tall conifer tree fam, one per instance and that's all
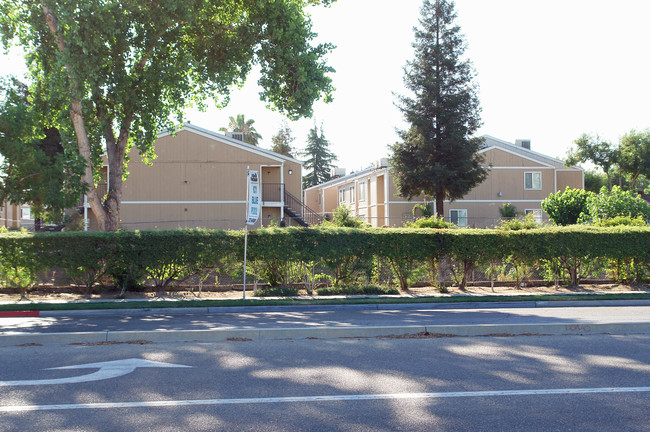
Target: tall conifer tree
(437, 156)
(319, 162)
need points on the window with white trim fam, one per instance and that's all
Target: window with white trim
(458, 217)
(26, 213)
(537, 215)
(341, 195)
(352, 193)
(533, 180)
(362, 191)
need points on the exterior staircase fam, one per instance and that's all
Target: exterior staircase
(299, 212)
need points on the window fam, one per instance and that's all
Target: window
(533, 180)
(341, 195)
(352, 193)
(26, 213)
(537, 215)
(458, 217)
(362, 191)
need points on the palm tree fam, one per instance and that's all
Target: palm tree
(240, 124)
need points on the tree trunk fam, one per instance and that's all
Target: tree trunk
(38, 224)
(76, 115)
(440, 204)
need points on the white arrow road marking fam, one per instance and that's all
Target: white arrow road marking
(326, 398)
(109, 369)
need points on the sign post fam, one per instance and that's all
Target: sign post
(252, 211)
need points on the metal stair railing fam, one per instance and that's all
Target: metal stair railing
(296, 206)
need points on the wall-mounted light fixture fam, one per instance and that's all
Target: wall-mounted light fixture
(500, 193)
(290, 172)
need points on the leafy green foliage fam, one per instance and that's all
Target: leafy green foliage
(124, 71)
(357, 290)
(437, 156)
(433, 221)
(342, 217)
(240, 124)
(565, 207)
(282, 141)
(517, 224)
(621, 220)
(634, 157)
(352, 255)
(508, 210)
(609, 204)
(36, 166)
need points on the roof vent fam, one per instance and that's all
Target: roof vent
(381, 163)
(525, 143)
(239, 136)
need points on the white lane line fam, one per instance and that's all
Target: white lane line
(330, 398)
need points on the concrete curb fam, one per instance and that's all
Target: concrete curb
(219, 335)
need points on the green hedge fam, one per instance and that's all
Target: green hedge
(350, 254)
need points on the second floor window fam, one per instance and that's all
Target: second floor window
(352, 193)
(341, 195)
(533, 180)
(362, 191)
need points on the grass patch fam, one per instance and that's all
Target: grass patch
(357, 290)
(161, 304)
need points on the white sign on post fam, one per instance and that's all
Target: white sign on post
(253, 203)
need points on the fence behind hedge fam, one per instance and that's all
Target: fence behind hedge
(339, 256)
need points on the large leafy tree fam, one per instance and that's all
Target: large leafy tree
(634, 158)
(319, 158)
(437, 156)
(128, 69)
(36, 166)
(282, 141)
(593, 149)
(240, 124)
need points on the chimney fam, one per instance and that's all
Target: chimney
(525, 143)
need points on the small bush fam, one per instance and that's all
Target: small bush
(278, 291)
(565, 207)
(357, 290)
(430, 222)
(620, 220)
(518, 224)
(508, 210)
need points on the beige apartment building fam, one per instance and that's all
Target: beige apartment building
(198, 179)
(517, 175)
(14, 216)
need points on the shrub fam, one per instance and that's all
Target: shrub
(356, 290)
(620, 221)
(342, 217)
(617, 202)
(508, 210)
(433, 221)
(516, 224)
(565, 207)
(279, 291)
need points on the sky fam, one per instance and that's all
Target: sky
(548, 71)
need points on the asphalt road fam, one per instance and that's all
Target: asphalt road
(540, 383)
(160, 320)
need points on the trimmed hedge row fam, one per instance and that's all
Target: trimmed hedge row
(168, 256)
